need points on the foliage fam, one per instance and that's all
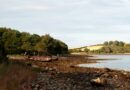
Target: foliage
(3, 58)
(15, 42)
(114, 47)
(114, 43)
(109, 47)
(87, 50)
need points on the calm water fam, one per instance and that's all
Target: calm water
(118, 62)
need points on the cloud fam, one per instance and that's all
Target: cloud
(73, 21)
(30, 8)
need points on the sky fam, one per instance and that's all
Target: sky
(76, 22)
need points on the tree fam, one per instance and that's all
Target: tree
(50, 46)
(39, 47)
(11, 41)
(87, 50)
(15, 42)
(47, 41)
(34, 39)
(121, 43)
(26, 43)
(116, 43)
(106, 50)
(64, 47)
(110, 43)
(106, 43)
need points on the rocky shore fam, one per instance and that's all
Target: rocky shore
(52, 80)
(63, 75)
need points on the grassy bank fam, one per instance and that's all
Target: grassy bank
(15, 76)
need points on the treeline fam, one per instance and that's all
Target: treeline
(108, 47)
(15, 42)
(113, 47)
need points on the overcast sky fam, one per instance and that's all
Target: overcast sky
(76, 22)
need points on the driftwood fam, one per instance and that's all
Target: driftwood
(43, 58)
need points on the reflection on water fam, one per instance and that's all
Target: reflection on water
(122, 62)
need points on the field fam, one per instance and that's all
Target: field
(94, 47)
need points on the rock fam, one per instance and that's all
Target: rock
(51, 69)
(116, 76)
(98, 82)
(35, 66)
(35, 89)
(106, 69)
(46, 68)
(33, 84)
(72, 66)
(37, 86)
(105, 75)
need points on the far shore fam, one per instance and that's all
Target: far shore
(92, 55)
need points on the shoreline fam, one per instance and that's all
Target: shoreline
(63, 75)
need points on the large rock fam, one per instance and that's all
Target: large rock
(99, 82)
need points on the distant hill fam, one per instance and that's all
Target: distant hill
(108, 47)
(91, 48)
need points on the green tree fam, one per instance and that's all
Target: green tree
(87, 50)
(15, 42)
(121, 43)
(116, 43)
(39, 47)
(47, 41)
(11, 41)
(106, 43)
(64, 47)
(110, 43)
(26, 43)
(50, 46)
(106, 50)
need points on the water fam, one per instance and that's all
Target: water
(117, 62)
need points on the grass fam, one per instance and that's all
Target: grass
(15, 76)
